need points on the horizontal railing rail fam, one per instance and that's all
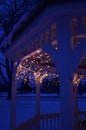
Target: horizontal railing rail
(30, 124)
(50, 122)
(43, 122)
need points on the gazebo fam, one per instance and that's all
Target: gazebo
(61, 32)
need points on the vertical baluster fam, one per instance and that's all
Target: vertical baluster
(46, 123)
(58, 123)
(35, 127)
(32, 128)
(42, 124)
(50, 123)
(85, 115)
(54, 123)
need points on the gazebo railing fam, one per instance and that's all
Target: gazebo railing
(50, 121)
(30, 124)
(44, 122)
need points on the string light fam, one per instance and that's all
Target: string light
(55, 44)
(37, 64)
(77, 78)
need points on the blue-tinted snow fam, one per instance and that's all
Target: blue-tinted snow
(26, 108)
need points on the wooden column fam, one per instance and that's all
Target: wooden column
(63, 62)
(38, 96)
(76, 107)
(65, 73)
(67, 104)
(37, 78)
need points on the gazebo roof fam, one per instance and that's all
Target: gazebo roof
(61, 6)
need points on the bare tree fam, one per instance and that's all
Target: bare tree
(7, 79)
(11, 11)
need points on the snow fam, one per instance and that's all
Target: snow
(25, 108)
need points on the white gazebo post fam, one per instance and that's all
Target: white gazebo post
(76, 100)
(76, 107)
(65, 72)
(38, 95)
(67, 103)
(63, 62)
(37, 79)
(13, 98)
(77, 54)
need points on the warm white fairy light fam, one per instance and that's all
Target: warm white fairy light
(42, 77)
(55, 44)
(77, 78)
(39, 64)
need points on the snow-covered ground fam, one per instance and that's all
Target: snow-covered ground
(26, 107)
